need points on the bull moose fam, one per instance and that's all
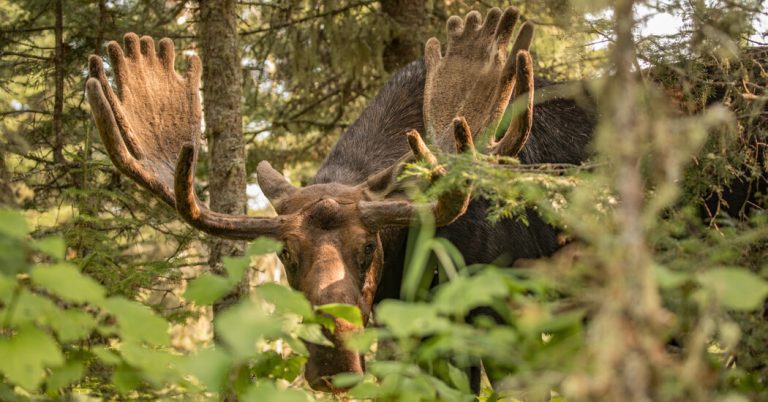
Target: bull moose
(344, 234)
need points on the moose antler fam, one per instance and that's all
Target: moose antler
(153, 123)
(448, 207)
(475, 79)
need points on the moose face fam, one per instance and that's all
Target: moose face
(331, 256)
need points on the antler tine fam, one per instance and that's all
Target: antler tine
(519, 129)
(239, 227)
(448, 207)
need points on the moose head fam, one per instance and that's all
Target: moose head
(331, 232)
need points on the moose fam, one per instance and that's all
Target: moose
(345, 234)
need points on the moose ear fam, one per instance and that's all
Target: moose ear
(384, 184)
(272, 183)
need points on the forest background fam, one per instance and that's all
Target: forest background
(97, 296)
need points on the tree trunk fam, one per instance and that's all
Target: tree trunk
(58, 71)
(223, 124)
(407, 17)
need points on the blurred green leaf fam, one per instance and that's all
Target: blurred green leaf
(344, 311)
(153, 364)
(313, 333)
(54, 246)
(364, 390)
(63, 376)
(67, 282)
(138, 322)
(409, 319)
(26, 354)
(285, 300)
(13, 224)
(736, 288)
(265, 391)
(236, 267)
(125, 378)
(106, 355)
(241, 325)
(362, 341)
(71, 325)
(462, 294)
(207, 288)
(346, 380)
(669, 279)
(33, 308)
(211, 366)
(264, 245)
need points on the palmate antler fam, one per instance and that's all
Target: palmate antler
(153, 123)
(476, 79)
(466, 92)
(151, 129)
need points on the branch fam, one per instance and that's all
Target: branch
(308, 18)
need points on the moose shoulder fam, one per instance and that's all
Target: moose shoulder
(343, 235)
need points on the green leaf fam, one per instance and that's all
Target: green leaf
(364, 390)
(71, 325)
(125, 378)
(13, 256)
(313, 333)
(138, 322)
(346, 380)
(63, 376)
(65, 281)
(407, 319)
(13, 224)
(241, 325)
(7, 285)
(267, 392)
(344, 311)
(54, 246)
(362, 341)
(273, 365)
(459, 378)
(285, 299)
(669, 279)
(210, 366)
(264, 245)
(26, 355)
(155, 365)
(236, 267)
(33, 308)
(207, 288)
(463, 294)
(106, 355)
(736, 288)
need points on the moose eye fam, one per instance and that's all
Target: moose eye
(370, 248)
(285, 256)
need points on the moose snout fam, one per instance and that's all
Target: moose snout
(325, 361)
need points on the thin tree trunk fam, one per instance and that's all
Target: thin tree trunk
(223, 123)
(630, 364)
(58, 68)
(6, 192)
(407, 17)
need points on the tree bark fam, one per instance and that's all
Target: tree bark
(58, 98)
(223, 122)
(407, 19)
